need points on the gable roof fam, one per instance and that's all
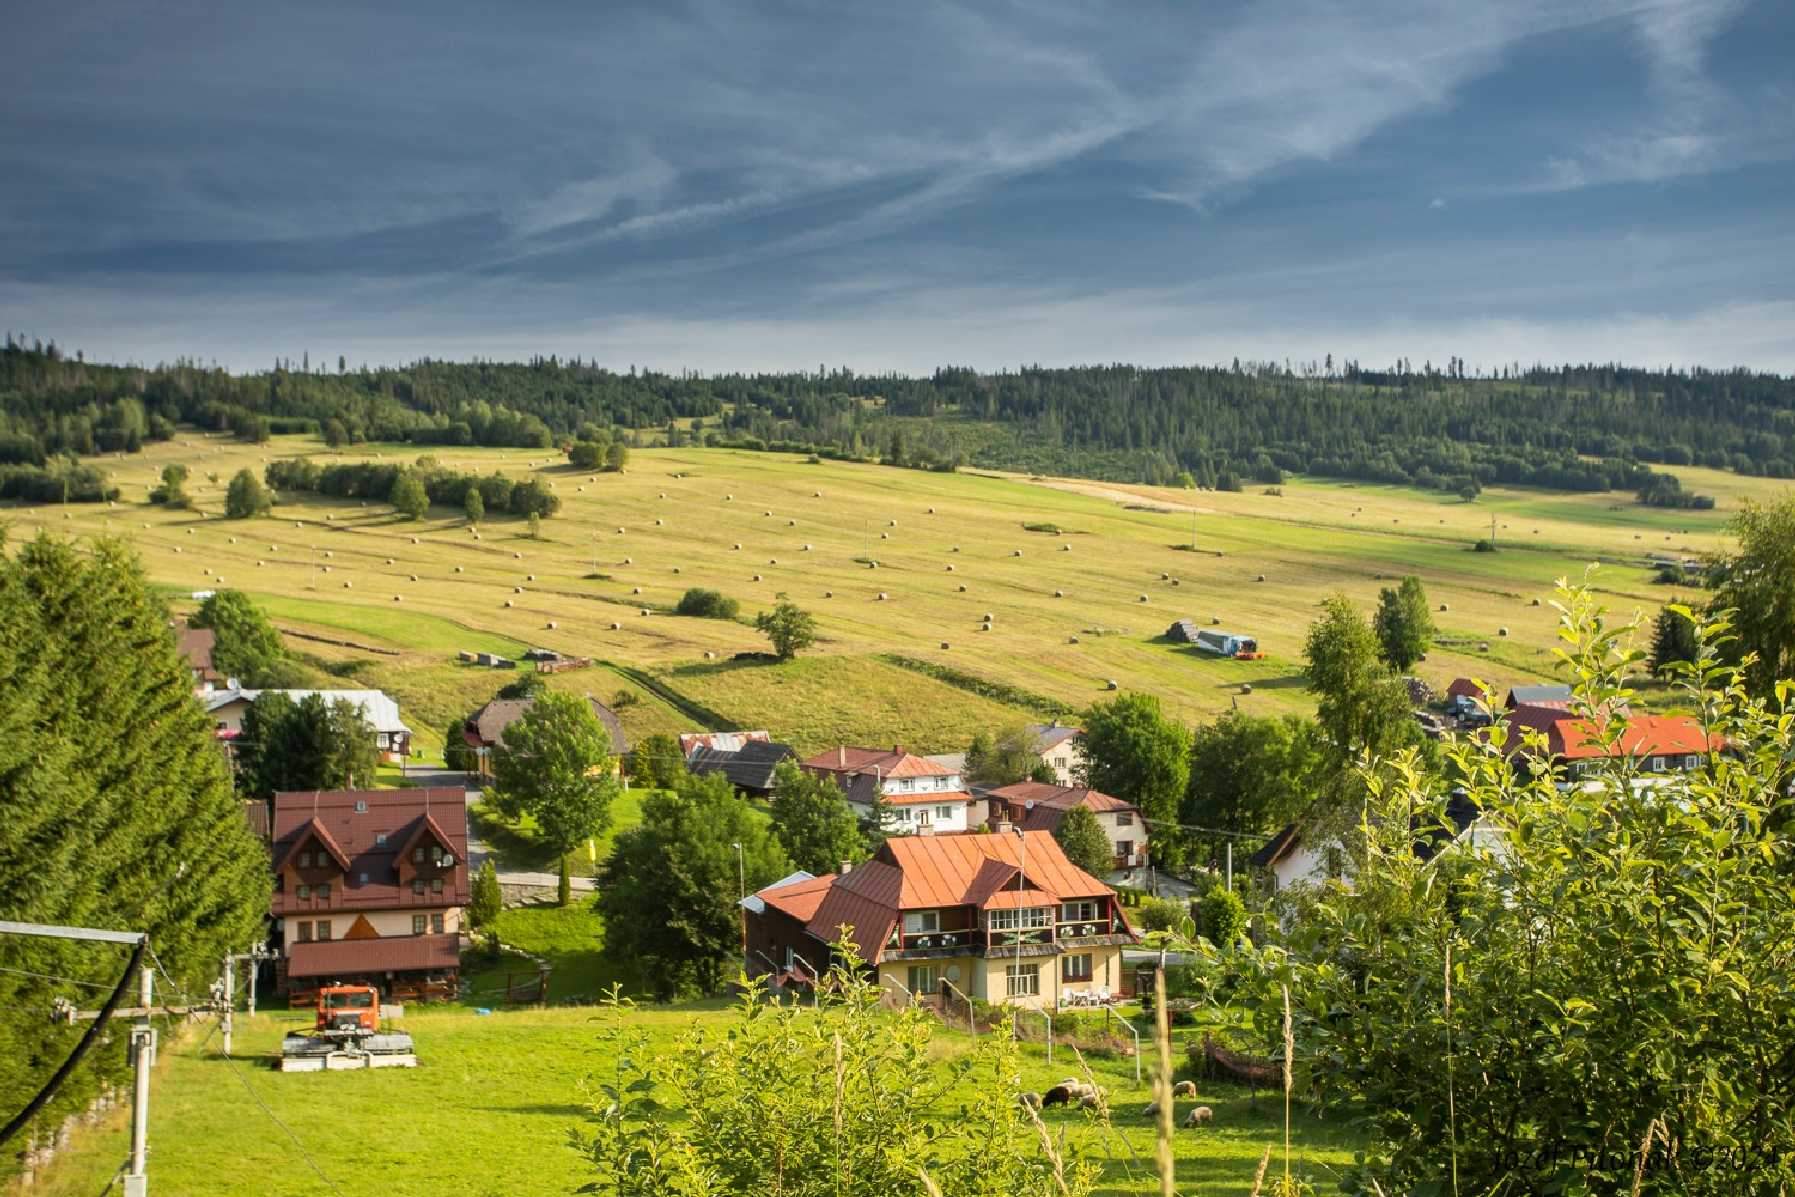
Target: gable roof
(940, 870)
(370, 841)
(881, 762)
(375, 706)
(1539, 695)
(750, 767)
(196, 646)
(1044, 805)
(1464, 687)
(487, 725)
(1643, 736)
(792, 889)
(725, 741)
(1052, 735)
(389, 953)
(313, 830)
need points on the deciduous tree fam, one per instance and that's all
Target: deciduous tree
(408, 497)
(1082, 838)
(1753, 583)
(246, 497)
(245, 645)
(813, 821)
(1133, 752)
(554, 764)
(1403, 624)
(790, 628)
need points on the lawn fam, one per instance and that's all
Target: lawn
(488, 1110)
(1071, 611)
(570, 939)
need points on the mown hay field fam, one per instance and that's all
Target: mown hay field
(1072, 609)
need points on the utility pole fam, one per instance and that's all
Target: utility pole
(143, 1034)
(227, 988)
(1230, 864)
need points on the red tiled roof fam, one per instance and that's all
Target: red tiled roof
(391, 954)
(370, 842)
(893, 762)
(939, 870)
(799, 899)
(1051, 802)
(865, 900)
(1644, 735)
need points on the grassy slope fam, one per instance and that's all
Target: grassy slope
(487, 1113)
(1314, 538)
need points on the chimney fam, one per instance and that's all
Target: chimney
(845, 866)
(1005, 827)
(897, 750)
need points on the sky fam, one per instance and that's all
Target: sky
(763, 186)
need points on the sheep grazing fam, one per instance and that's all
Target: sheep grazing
(1031, 1100)
(1150, 1110)
(1184, 1089)
(1199, 1116)
(1090, 1101)
(1059, 1095)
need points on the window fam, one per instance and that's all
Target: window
(361, 806)
(436, 924)
(944, 813)
(417, 854)
(418, 923)
(1124, 818)
(921, 981)
(1022, 980)
(324, 889)
(922, 922)
(1032, 918)
(303, 892)
(1657, 764)
(323, 929)
(305, 860)
(305, 931)
(1078, 912)
(1075, 968)
(436, 885)
(380, 838)
(417, 885)
(381, 740)
(364, 878)
(1691, 761)
(901, 814)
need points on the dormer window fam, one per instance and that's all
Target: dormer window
(305, 860)
(417, 854)
(324, 889)
(380, 838)
(303, 892)
(361, 806)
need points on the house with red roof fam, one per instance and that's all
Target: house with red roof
(369, 886)
(1038, 806)
(1577, 746)
(924, 797)
(1005, 918)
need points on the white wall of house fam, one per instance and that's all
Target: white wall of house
(951, 814)
(1065, 759)
(1125, 828)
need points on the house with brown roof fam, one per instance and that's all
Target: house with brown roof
(1037, 806)
(369, 886)
(196, 646)
(923, 796)
(1005, 918)
(485, 728)
(1060, 748)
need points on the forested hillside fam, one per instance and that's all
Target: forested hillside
(1220, 425)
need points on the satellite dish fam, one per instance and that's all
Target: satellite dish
(953, 972)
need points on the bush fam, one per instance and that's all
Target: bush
(1484, 546)
(1160, 914)
(707, 604)
(1221, 917)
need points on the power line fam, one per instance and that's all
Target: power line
(25, 972)
(272, 1117)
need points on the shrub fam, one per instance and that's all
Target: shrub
(1221, 917)
(1484, 546)
(1160, 914)
(707, 604)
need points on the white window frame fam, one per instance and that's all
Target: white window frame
(1090, 967)
(1022, 980)
(1067, 910)
(1691, 761)
(945, 813)
(1124, 818)
(1027, 918)
(928, 974)
(922, 922)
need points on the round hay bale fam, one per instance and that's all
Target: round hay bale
(258, 563)
(529, 577)
(457, 569)
(516, 556)
(766, 513)
(806, 548)
(988, 617)
(646, 611)
(736, 547)
(709, 655)
(635, 590)
(944, 644)
(414, 540)
(550, 625)
(476, 536)
(397, 598)
(881, 596)
(962, 589)
(389, 560)
(1534, 603)
(414, 577)
(757, 577)
(1143, 598)
(177, 548)
(1015, 552)
(791, 523)
(884, 536)
(828, 594)
(517, 590)
(1262, 577)
(1174, 581)
(727, 498)
(872, 565)
(950, 567)
(1215, 620)
(1444, 607)
(1501, 631)
(347, 583)
(507, 602)
(772, 561)
(629, 560)
(955, 549)
(231, 539)
(1065, 548)
(330, 517)
(1111, 684)
(676, 569)
(1059, 594)
(327, 553)
(658, 523)
(663, 494)
(891, 524)
(816, 494)
(616, 627)
(620, 531)
(579, 490)
(1072, 640)
(1246, 687)
(296, 524)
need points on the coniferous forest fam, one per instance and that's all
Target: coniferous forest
(1568, 427)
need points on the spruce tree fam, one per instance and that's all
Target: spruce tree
(118, 806)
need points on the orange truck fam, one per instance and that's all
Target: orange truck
(346, 1033)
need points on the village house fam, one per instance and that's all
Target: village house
(392, 739)
(1004, 918)
(923, 797)
(1059, 748)
(749, 760)
(369, 887)
(486, 728)
(196, 646)
(1036, 806)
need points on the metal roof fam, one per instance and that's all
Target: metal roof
(385, 954)
(375, 706)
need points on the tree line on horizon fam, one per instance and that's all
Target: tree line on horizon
(1568, 427)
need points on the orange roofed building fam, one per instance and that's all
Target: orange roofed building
(1652, 744)
(923, 796)
(1004, 917)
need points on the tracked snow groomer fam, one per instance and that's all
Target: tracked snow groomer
(347, 1034)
